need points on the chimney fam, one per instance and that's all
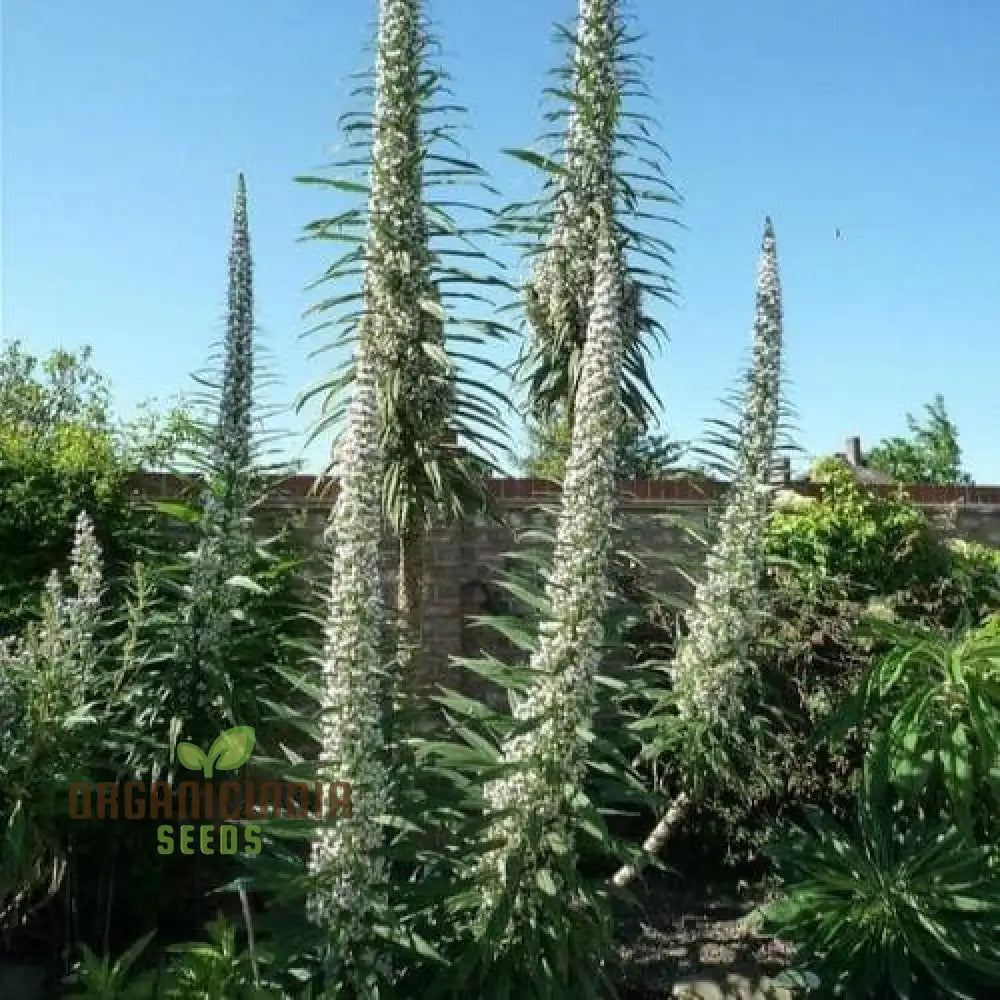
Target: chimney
(852, 452)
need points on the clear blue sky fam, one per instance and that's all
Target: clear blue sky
(124, 125)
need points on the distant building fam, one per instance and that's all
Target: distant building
(853, 458)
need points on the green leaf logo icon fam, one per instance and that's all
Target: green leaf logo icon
(230, 750)
(190, 756)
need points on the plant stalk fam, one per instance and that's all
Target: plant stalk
(669, 822)
(410, 602)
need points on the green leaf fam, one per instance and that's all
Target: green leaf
(231, 749)
(538, 160)
(245, 583)
(546, 883)
(191, 756)
(434, 309)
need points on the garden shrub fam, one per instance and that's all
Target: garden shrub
(904, 900)
(882, 910)
(60, 453)
(47, 476)
(873, 545)
(832, 560)
(975, 574)
(46, 692)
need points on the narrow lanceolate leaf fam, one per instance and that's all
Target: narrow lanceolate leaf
(551, 756)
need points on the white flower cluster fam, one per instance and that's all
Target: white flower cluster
(44, 672)
(223, 550)
(712, 663)
(559, 294)
(414, 394)
(561, 701)
(347, 855)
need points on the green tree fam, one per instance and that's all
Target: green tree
(930, 454)
(640, 455)
(63, 451)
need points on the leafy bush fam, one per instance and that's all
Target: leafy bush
(872, 545)
(101, 978)
(832, 561)
(907, 901)
(46, 682)
(938, 703)
(60, 453)
(975, 574)
(878, 912)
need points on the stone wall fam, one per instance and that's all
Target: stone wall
(462, 562)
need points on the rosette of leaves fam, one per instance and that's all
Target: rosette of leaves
(937, 702)
(99, 977)
(890, 907)
(412, 273)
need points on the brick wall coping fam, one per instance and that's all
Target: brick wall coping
(158, 485)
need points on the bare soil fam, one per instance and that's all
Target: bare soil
(676, 930)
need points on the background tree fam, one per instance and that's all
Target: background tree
(640, 454)
(63, 450)
(931, 453)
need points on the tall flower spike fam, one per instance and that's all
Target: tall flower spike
(86, 573)
(560, 292)
(407, 333)
(713, 677)
(763, 399)
(347, 857)
(713, 660)
(225, 543)
(234, 433)
(553, 753)
(46, 670)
